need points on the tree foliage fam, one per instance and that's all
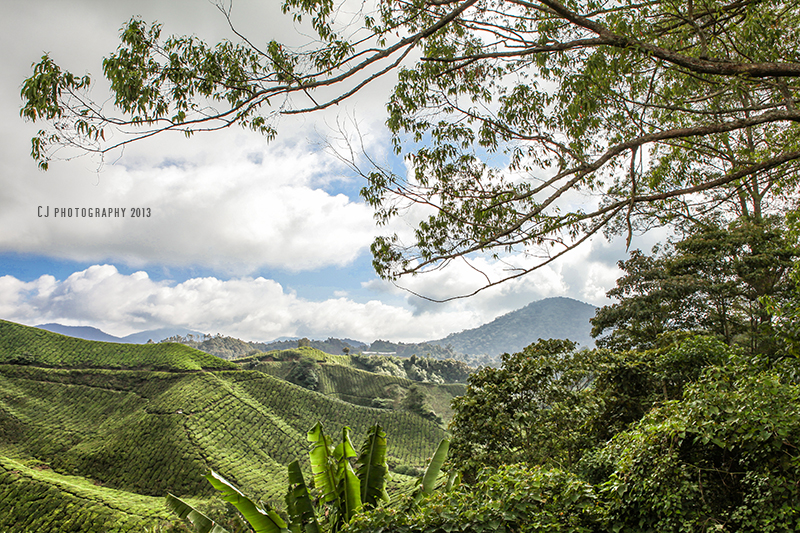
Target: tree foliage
(657, 111)
(551, 404)
(512, 498)
(692, 436)
(303, 374)
(723, 457)
(716, 280)
(521, 412)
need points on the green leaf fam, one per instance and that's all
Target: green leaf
(454, 480)
(372, 468)
(349, 490)
(201, 523)
(434, 467)
(323, 464)
(262, 520)
(302, 517)
(345, 449)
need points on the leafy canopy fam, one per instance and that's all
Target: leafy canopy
(717, 280)
(691, 436)
(655, 111)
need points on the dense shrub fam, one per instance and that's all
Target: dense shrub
(724, 458)
(303, 374)
(513, 498)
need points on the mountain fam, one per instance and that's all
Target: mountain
(94, 434)
(81, 332)
(158, 334)
(551, 318)
(93, 334)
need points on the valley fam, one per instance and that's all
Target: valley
(93, 434)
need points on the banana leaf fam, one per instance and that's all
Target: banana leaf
(454, 480)
(349, 488)
(349, 491)
(201, 523)
(302, 517)
(261, 520)
(371, 467)
(324, 466)
(434, 467)
(345, 449)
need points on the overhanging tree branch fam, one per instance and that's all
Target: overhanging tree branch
(565, 97)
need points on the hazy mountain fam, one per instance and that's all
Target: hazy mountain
(556, 318)
(80, 332)
(158, 334)
(551, 318)
(93, 334)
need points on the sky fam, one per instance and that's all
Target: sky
(240, 237)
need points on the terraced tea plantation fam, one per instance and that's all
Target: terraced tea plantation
(93, 435)
(339, 376)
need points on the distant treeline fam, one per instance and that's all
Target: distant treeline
(233, 348)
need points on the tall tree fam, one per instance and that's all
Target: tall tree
(656, 111)
(528, 410)
(715, 281)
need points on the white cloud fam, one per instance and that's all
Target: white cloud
(248, 308)
(233, 212)
(224, 201)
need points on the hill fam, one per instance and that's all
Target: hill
(371, 381)
(81, 332)
(233, 348)
(420, 349)
(556, 318)
(93, 434)
(23, 345)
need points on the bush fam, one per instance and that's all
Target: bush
(408, 470)
(303, 374)
(724, 458)
(513, 498)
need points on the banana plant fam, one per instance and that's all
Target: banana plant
(372, 468)
(302, 516)
(262, 520)
(334, 477)
(343, 490)
(427, 483)
(201, 523)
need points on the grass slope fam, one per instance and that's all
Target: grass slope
(340, 377)
(69, 419)
(25, 345)
(38, 499)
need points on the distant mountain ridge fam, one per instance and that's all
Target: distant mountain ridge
(80, 332)
(551, 318)
(89, 333)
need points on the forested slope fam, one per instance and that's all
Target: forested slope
(551, 318)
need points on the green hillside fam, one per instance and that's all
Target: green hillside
(370, 381)
(138, 421)
(33, 346)
(42, 500)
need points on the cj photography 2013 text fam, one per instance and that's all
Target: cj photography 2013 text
(45, 211)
